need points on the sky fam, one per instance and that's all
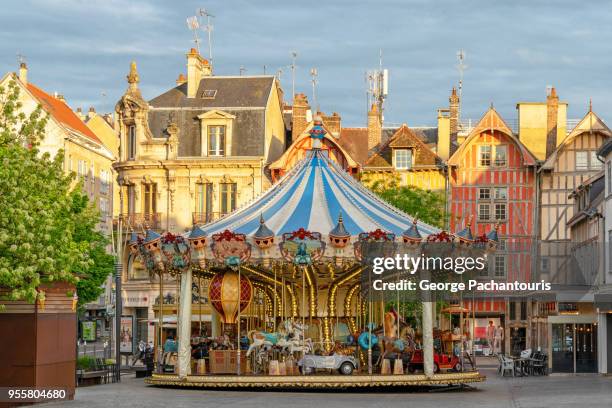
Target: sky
(514, 50)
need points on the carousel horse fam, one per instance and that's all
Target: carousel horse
(389, 342)
(294, 340)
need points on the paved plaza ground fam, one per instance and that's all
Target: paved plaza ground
(580, 391)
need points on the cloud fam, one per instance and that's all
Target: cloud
(83, 48)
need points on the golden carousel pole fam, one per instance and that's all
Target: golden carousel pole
(160, 343)
(303, 311)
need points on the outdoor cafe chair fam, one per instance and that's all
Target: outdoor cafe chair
(507, 364)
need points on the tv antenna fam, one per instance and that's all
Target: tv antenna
(195, 23)
(20, 58)
(242, 70)
(313, 74)
(293, 67)
(461, 67)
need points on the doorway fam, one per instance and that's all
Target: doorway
(574, 347)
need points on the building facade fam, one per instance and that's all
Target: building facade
(190, 156)
(492, 179)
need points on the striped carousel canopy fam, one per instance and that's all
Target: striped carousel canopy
(312, 196)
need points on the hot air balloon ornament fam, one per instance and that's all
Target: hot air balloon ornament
(177, 253)
(230, 293)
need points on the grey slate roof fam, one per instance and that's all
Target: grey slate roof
(244, 97)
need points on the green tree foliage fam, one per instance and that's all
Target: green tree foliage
(428, 206)
(47, 226)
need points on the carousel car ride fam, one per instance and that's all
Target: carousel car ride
(441, 362)
(344, 364)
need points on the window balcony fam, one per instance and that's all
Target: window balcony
(139, 221)
(206, 217)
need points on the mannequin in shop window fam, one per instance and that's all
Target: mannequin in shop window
(499, 338)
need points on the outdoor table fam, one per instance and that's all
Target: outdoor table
(520, 363)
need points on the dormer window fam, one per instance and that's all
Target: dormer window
(209, 94)
(403, 159)
(216, 140)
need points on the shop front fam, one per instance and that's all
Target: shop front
(603, 305)
(573, 342)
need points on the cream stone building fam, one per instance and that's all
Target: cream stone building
(85, 153)
(191, 155)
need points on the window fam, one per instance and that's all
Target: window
(131, 199)
(501, 153)
(484, 212)
(501, 193)
(216, 140)
(595, 163)
(582, 160)
(484, 193)
(103, 207)
(82, 169)
(204, 202)
(104, 181)
(403, 159)
(228, 197)
(499, 266)
(92, 174)
(484, 155)
(544, 264)
(131, 142)
(149, 202)
(500, 212)
(209, 93)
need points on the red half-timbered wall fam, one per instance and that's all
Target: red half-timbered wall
(468, 177)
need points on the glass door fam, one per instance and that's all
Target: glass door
(563, 348)
(586, 348)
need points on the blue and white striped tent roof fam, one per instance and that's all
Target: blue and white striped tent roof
(311, 196)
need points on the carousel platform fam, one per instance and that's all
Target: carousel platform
(313, 381)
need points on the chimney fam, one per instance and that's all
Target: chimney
(444, 133)
(91, 113)
(197, 68)
(181, 79)
(374, 127)
(332, 123)
(23, 73)
(299, 116)
(79, 113)
(552, 115)
(60, 97)
(453, 101)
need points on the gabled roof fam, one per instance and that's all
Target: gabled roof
(590, 123)
(404, 137)
(491, 120)
(281, 163)
(61, 112)
(230, 92)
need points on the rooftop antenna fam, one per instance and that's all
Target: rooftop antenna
(377, 84)
(279, 73)
(313, 74)
(461, 67)
(208, 27)
(193, 24)
(20, 58)
(242, 70)
(293, 67)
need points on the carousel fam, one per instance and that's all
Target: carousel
(290, 285)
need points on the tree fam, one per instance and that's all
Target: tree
(428, 206)
(47, 227)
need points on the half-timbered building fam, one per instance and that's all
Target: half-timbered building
(492, 178)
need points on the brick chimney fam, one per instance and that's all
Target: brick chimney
(453, 104)
(552, 115)
(197, 68)
(374, 127)
(79, 113)
(333, 124)
(299, 115)
(23, 73)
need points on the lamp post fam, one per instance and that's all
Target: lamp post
(118, 302)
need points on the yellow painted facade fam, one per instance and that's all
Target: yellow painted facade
(429, 179)
(532, 118)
